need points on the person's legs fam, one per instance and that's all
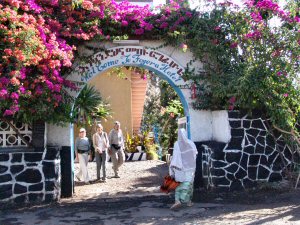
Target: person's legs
(114, 161)
(183, 194)
(120, 161)
(83, 160)
(121, 157)
(177, 203)
(98, 164)
(104, 156)
(80, 161)
(79, 174)
(191, 192)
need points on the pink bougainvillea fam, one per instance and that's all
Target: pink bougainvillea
(37, 37)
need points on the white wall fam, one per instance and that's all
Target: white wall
(58, 136)
(201, 125)
(204, 126)
(210, 126)
(220, 126)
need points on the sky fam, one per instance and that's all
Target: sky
(196, 3)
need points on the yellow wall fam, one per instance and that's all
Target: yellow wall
(117, 92)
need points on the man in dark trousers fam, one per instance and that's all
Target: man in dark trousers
(101, 144)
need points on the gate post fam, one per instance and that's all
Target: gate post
(39, 135)
(67, 185)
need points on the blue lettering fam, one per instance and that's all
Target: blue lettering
(127, 59)
(164, 67)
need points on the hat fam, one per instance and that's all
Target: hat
(117, 122)
(99, 125)
(82, 130)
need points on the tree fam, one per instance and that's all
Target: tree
(38, 43)
(90, 106)
(161, 110)
(249, 63)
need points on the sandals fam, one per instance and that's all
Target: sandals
(176, 205)
(189, 204)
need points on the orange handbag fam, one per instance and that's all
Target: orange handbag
(169, 184)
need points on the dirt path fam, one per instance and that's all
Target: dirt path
(136, 177)
(255, 206)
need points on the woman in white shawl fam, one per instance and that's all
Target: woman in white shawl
(182, 168)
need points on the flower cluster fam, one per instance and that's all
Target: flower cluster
(38, 41)
(32, 57)
(250, 62)
(241, 52)
(131, 17)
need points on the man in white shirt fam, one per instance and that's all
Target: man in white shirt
(101, 144)
(117, 146)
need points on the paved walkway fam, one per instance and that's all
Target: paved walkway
(134, 199)
(121, 212)
(151, 211)
(137, 177)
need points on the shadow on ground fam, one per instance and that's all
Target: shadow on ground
(154, 210)
(255, 206)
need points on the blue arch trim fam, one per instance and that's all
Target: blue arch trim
(178, 91)
(173, 85)
(93, 70)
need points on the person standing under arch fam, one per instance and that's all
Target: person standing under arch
(82, 150)
(101, 144)
(117, 146)
(182, 168)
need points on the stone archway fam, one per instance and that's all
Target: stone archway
(171, 63)
(166, 62)
(162, 64)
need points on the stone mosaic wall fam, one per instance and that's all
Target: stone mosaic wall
(29, 177)
(252, 155)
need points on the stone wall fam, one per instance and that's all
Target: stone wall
(252, 155)
(29, 177)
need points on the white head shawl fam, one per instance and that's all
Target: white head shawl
(184, 153)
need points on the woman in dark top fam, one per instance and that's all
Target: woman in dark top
(82, 149)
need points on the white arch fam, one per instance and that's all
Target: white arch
(161, 64)
(168, 63)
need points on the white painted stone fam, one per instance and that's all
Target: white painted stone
(220, 126)
(201, 125)
(58, 135)
(183, 58)
(139, 148)
(137, 156)
(130, 55)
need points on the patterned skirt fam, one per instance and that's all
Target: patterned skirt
(184, 192)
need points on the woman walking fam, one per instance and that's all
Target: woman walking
(182, 168)
(117, 146)
(82, 150)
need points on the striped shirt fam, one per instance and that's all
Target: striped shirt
(82, 144)
(116, 137)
